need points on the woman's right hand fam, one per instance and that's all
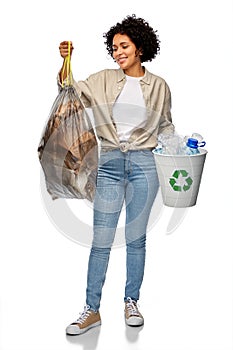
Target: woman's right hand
(64, 48)
(64, 51)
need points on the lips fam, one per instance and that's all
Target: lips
(121, 60)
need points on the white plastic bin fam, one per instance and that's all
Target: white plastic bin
(180, 177)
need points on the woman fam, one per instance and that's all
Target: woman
(131, 107)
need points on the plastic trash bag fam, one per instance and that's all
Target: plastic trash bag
(68, 150)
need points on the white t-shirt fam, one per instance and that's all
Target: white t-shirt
(129, 110)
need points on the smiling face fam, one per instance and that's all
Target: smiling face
(127, 55)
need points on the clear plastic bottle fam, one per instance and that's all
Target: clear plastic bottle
(192, 146)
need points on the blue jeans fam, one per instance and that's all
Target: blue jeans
(129, 177)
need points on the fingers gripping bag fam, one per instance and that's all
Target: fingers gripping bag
(68, 150)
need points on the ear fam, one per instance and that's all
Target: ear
(139, 52)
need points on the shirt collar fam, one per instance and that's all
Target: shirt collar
(120, 75)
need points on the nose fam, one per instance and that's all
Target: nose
(118, 51)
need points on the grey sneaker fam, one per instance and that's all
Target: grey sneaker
(87, 320)
(132, 316)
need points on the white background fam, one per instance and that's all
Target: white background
(187, 292)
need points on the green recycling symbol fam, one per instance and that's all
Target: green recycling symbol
(180, 181)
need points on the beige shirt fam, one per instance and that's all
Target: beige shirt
(100, 92)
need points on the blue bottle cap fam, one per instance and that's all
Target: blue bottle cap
(192, 143)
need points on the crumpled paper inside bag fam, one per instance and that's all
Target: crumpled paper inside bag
(68, 150)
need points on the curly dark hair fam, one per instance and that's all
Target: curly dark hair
(141, 34)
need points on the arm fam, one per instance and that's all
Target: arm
(166, 126)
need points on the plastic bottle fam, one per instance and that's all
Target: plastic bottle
(192, 146)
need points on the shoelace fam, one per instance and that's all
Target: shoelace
(131, 306)
(83, 315)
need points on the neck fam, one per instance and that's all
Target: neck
(137, 71)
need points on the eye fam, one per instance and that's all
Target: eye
(125, 46)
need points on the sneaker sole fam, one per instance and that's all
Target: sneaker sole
(75, 330)
(134, 321)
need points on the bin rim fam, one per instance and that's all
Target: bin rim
(202, 152)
